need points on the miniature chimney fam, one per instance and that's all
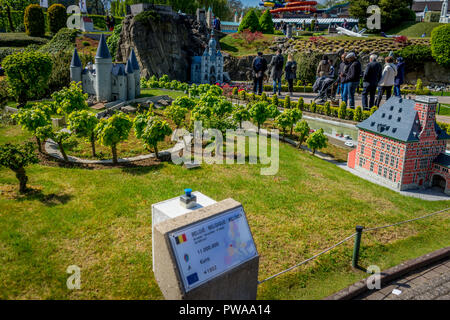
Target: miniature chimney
(426, 110)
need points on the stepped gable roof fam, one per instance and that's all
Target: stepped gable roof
(134, 61)
(102, 50)
(129, 67)
(443, 160)
(76, 62)
(396, 119)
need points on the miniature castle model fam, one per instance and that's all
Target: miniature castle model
(402, 147)
(105, 80)
(444, 17)
(209, 18)
(208, 68)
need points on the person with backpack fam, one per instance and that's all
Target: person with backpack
(259, 66)
(400, 77)
(276, 66)
(291, 73)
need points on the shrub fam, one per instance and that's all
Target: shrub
(266, 23)
(307, 66)
(440, 45)
(317, 140)
(358, 114)
(63, 40)
(415, 56)
(275, 100)
(287, 102)
(16, 157)
(250, 22)
(113, 40)
(32, 119)
(70, 99)
(302, 128)
(57, 17)
(34, 21)
(27, 74)
(342, 111)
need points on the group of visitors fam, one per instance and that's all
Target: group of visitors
(276, 65)
(110, 22)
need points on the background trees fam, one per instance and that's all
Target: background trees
(16, 157)
(57, 17)
(440, 44)
(250, 22)
(266, 23)
(34, 21)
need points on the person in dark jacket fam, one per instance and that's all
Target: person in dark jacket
(372, 76)
(351, 79)
(259, 66)
(341, 73)
(400, 77)
(291, 72)
(276, 66)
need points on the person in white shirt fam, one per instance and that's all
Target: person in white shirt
(387, 80)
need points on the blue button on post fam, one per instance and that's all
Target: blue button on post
(188, 192)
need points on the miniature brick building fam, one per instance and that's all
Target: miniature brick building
(401, 146)
(105, 80)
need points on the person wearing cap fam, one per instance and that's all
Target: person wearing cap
(387, 80)
(259, 66)
(371, 77)
(351, 79)
(400, 77)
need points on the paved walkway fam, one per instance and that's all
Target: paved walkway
(428, 283)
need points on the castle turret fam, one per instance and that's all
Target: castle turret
(209, 18)
(103, 67)
(131, 85)
(75, 67)
(236, 17)
(136, 72)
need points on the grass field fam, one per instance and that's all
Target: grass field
(100, 220)
(414, 29)
(444, 110)
(238, 47)
(161, 92)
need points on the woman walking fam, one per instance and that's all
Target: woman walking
(387, 80)
(291, 71)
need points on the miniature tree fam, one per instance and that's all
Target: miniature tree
(151, 130)
(193, 91)
(57, 17)
(263, 97)
(34, 21)
(373, 109)
(240, 114)
(32, 119)
(235, 92)
(328, 108)
(283, 121)
(295, 115)
(27, 74)
(287, 102)
(275, 100)
(301, 104)
(358, 114)
(58, 136)
(266, 23)
(114, 130)
(242, 95)
(302, 128)
(250, 22)
(317, 140)
(260, 112)
(176, 113)
(70, 99)
(342, 113)
(16, 157)
(83, 124)
(313, 107)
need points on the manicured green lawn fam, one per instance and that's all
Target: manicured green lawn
(100, 220)
(444, 110)
(161, 92)
(414, 29)
(238, 47)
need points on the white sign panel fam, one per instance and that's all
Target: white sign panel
(211, 247)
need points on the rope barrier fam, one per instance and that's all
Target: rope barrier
(303, 262)
(348, 238)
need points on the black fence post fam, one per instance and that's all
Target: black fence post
(355, 258)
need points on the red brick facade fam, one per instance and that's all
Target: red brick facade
(404, 165)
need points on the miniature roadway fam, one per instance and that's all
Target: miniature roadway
(428, 283)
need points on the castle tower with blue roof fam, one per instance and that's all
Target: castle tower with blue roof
(105, 80)
(208, 68)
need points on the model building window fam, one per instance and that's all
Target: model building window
(384, 172)
(387, 159)
(423, 163)
(362, 149)
(379, 170)
(381, 156)
(371, 166)
(390, 175)
(374, 153)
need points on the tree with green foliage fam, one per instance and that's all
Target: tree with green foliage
(250, 22)
(235, 92)
(317, 140)
(287, 102)
(260, 112)
(152, 130)
(59, 137)
(301, 104)
(263, 97)
(57, 17)
(358, 114)
(266, 23)
(295, 114)
(373, 109)
(114, 130)
(283, 121)
(342, 110)
(70, 99)
(16, 157)
(176, 113)
(32, 119)
(27, 73)
(302, 128)
(34, 21)
(328, 108)
(241, 113)
(83, 124)
(440, 45)
(185, 102)
(275, 100)
(113, 40)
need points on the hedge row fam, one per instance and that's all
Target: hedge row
(309, 89)
(17, 18)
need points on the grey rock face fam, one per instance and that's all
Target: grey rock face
(163, 45)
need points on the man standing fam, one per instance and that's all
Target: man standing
(351, 79)
(259, 66)
(276, 66)
(400, 77)
(341, 74)
(371, 77)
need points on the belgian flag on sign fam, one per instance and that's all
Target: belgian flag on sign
(181, 238)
